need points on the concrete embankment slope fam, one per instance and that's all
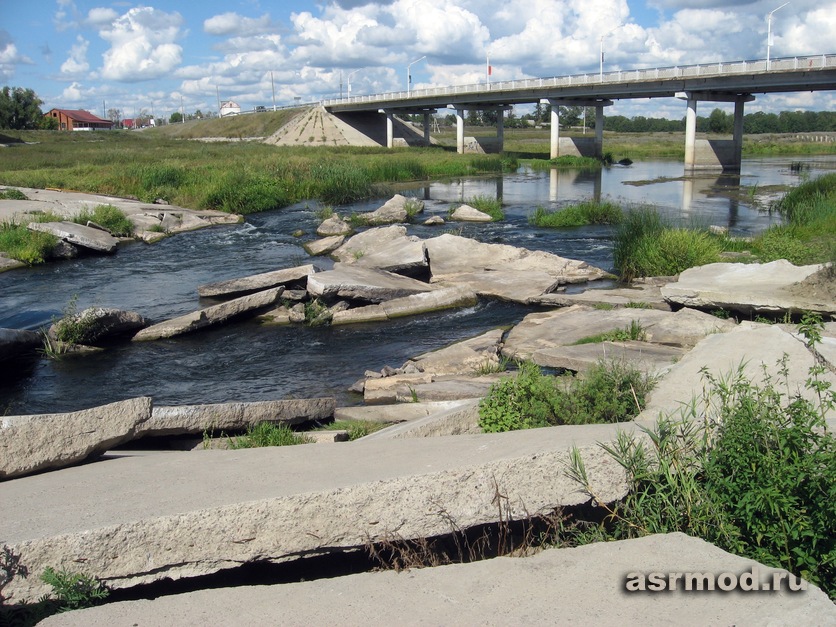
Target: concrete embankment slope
(581, 586)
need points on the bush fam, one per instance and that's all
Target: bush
(756, 477)
(608, 392)
(30, 247)
(577, 215)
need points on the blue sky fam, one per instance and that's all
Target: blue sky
(152, 57)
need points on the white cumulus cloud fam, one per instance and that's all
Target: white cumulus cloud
(76, 63)
(234, 24)
(142, 45)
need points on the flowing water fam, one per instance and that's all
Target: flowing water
(247, 361)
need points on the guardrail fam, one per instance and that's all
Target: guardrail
(816, 62)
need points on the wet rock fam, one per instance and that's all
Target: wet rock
(332, 226)
(363, 284)
(323, 246)
(434, 221)
(17, 343)
(367, 242)
(98, 325)
(257, 282)
(396, 209)
(404, 255)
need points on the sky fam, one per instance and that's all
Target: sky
(158, 57)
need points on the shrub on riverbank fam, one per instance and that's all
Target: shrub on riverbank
(489, 205)
(582, 214)
(608, 392)
(756, 478)
(30, 247)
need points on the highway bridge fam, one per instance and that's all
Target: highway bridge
(736, 82)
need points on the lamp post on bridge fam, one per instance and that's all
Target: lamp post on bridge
(769, 31)
(409, 73)
(350, 74)
(601, 69)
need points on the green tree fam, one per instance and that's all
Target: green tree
(176, 118)
(20, 109)
(720, 122)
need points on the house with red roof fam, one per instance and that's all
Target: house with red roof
(78, 120)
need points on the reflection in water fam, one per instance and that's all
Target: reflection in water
(568, 180)
(725, 188)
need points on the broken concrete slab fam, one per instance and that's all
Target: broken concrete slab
(748, 288)
(756, 350)
(653, 359)
(460, 419)
(404, 255)
(399, 412)
(440, 388)
(185, 419)
(323, 246)
(394, 210)
(363, 284)
(78, 235)
(426, 302)
(30, 444)
(98, 325)
(210, 316)
(471, 356)
(367, 242)
(333, 226)
(564, 327)
(187, 514)
(641, 294)
(257, 282)
(554, 587)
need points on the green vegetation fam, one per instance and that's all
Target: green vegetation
(110, 217)
(756, 479)
(489, 205)
(74, 591)
(238, 176)
(568, 162)
(12, 194)
(634, 332)
(356, 428)
(30, 247)
(646, 246)
(268, 434)
(590, 212)
(72, 328)
(607, 392)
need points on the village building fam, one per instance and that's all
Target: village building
(230, 108)
(78, 120)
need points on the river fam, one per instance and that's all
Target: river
(248, 361)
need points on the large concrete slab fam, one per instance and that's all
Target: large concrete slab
(136, 518)
(748, 287)
(462, 418)
(78, 234)
(756, 349)
(363, 284)
(642, 292)
(583, 585)
(257, 282)
(651, 358)
(546, 330)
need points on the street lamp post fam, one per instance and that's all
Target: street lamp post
(350, 74)
(769, 32)
(409, 73)
(601, 68)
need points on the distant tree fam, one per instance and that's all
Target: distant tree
(720, 122)
(570, 116)
(175, 118)
(114, 115)
(48, 123)
(20, 108)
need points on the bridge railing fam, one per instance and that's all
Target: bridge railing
(816, 62)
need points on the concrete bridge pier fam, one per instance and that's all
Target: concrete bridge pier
(390, 127)
(717, 154)
(579, 147)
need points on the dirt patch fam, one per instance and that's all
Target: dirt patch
(819, 286)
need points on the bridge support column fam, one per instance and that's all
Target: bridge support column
(713, 154)
(427, 127)
(390, 129)
(500, 128)
(460, 131)
(554, 149)
(599, 131)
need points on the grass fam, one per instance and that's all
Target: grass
(241, 177)
(356, 428)
(645, 245)
(634, 332)
(268, 434)
(30, 247)
(107, 216)
(582, 214)
(489, 205)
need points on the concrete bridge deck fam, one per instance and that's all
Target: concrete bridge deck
(718, 82)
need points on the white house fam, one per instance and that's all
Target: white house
(229, 108)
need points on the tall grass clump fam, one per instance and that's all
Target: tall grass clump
(751, 469)
(489, 205)
(30, 247)
(243, 193)
(646, 246)
(607, 392)
(808, 234)
(110, 217)
(268, 434)
(589, 212)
